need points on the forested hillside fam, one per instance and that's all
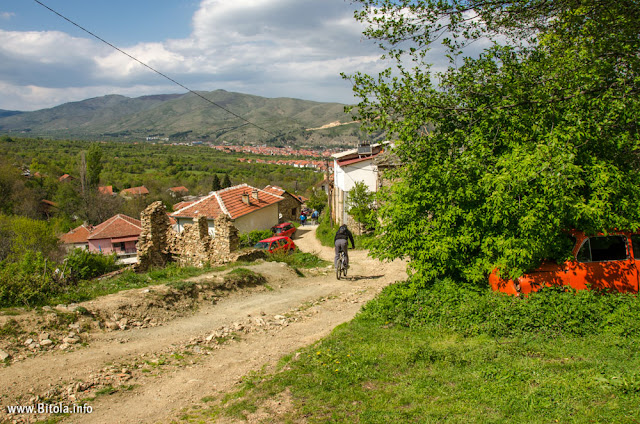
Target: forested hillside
(190, 117)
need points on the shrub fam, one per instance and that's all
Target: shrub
(251, 238)
(26, 282)
(85, 265)
(471, 310)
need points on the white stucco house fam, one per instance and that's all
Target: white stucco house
(350, 167)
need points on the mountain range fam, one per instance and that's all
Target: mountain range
(188, 117)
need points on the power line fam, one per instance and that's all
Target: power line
(154, 70)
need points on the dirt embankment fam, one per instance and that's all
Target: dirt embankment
(144, 355)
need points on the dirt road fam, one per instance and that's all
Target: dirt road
(169, 368)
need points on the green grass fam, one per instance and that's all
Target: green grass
(298, 259)
(240, 277)
(430, 368)
(87, 290)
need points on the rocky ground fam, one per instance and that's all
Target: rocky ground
(145, 355)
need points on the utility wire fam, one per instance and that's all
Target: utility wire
(154, 70)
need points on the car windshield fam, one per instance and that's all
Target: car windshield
(261, 245)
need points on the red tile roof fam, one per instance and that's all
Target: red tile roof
(180, 189)
(229, 201)
(356, 160)
(181, 205)
(116, 226)
(136, 191)
(77, 235)
(278, 191)
(65, 177)
(49, 202)
(105, 189)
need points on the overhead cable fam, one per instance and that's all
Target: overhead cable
(154, 70)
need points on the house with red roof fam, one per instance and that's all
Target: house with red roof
(117, 234)
(134, 191)
(178, 191)
(76, 238)
(290, 208)
(65, 178)
(249, 208)
(108, 190)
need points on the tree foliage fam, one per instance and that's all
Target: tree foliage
(215, 183)
(361, 205)
(318, 200)
(505, 150)
(226, 182)
(94, 165)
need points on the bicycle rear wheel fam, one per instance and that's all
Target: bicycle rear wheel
(338, 268)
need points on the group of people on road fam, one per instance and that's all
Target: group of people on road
(308, 213)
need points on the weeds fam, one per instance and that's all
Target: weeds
(298, 259)
(241, 277)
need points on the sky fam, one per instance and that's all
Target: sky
(270, 48)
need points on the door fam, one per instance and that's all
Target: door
(604, 262)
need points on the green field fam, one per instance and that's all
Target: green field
(472, 356)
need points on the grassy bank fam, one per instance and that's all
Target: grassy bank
(327, 230)
(454, 354)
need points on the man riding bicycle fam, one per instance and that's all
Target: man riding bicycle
(341, 243)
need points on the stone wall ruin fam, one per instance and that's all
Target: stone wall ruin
(159, 244)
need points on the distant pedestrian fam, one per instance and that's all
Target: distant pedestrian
(314, 216)
(303, 218)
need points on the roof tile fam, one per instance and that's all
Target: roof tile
(116, 226)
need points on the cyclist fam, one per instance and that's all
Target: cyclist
(341, 243)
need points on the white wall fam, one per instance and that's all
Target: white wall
(262, 219)
(181, 222)
(346, 177)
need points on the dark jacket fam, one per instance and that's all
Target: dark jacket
(344, 234)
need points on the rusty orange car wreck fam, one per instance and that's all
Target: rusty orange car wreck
(605, 262)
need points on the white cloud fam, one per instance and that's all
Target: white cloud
(272, 48)
(6, 15)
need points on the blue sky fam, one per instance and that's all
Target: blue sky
(271, 48)
(120, 21)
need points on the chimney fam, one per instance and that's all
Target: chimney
(245, 199)
(254, 194)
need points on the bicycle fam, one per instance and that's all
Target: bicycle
(341, 267)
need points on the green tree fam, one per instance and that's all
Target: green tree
(22, 235)
(317, 200)
(536, 135)
(94, 165)
(226, 182)
(215, 184)
(361, 205)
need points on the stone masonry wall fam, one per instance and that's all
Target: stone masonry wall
(287, 206)
(159, 243)
(152, 244)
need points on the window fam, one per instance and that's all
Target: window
(606, 248)
(294, 212)
(635, 242)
